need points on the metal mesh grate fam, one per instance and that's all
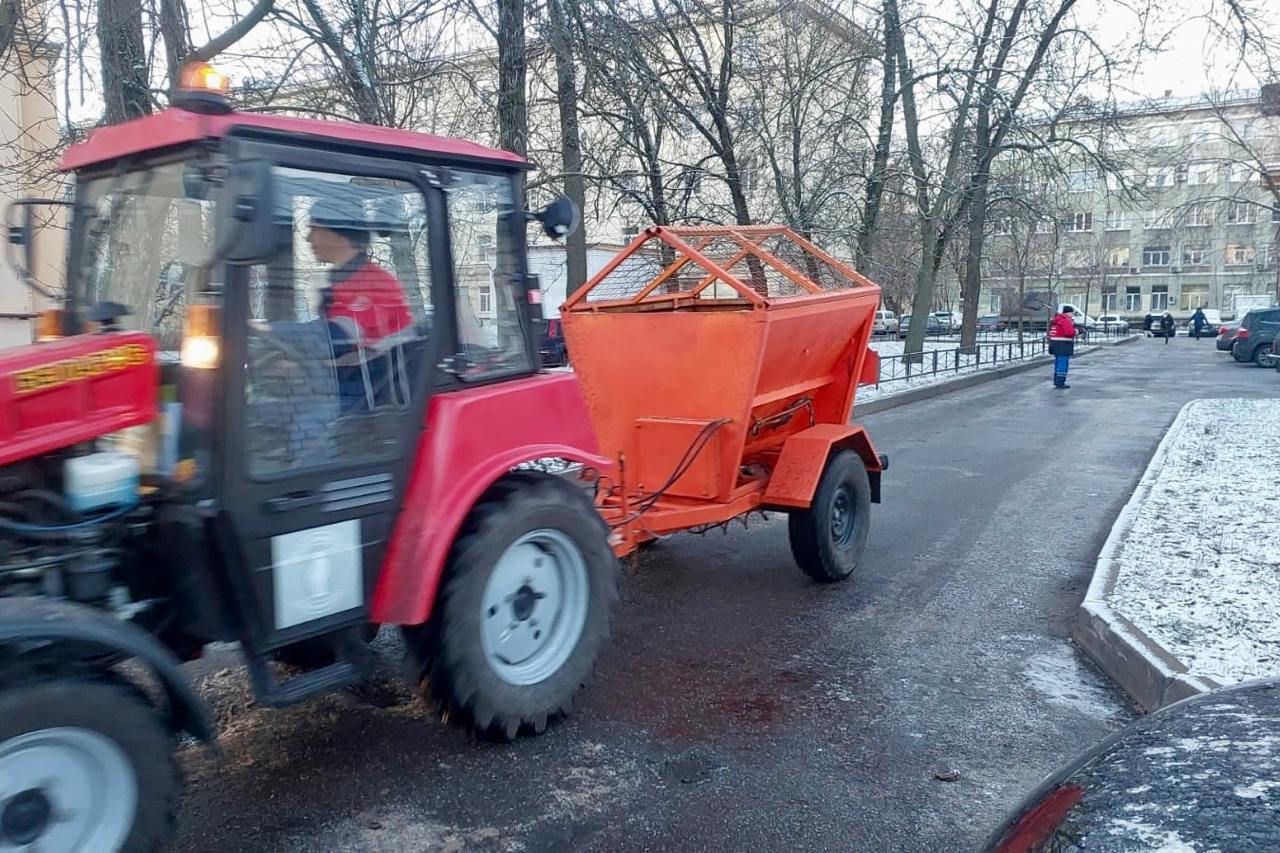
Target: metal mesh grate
(765, 262)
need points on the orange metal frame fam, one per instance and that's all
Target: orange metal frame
(700, 401)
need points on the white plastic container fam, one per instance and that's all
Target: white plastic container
(99, 480)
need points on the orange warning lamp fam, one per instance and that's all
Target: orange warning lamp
(202, 89)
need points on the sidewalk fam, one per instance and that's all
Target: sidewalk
(1186, 595)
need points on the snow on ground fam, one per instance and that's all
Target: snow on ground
(1200, 565)
(951, 363)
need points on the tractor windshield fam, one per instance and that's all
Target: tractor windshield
(144, 235)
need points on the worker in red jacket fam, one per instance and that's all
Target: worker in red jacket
(364, 305)
(1062, 344)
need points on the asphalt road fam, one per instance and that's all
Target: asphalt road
(743, 707)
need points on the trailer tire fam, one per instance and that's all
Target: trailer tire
(534, 548)
(828, 538)
(107, 765)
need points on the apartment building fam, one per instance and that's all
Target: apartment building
(1191, 220)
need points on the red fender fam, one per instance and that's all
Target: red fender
(472, 438)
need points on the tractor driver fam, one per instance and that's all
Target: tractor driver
(363, 304)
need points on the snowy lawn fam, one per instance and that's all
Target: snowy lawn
(1199, 569)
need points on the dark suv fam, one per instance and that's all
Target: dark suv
(1256, 334)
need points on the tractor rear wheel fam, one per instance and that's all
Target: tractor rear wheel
(84, 765)
(828, 538)
(523, 610)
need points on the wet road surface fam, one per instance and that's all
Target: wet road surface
(743, 706)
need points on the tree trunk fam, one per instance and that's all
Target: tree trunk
(884, 141)
(972, 288)
(123, 51)
(570, 143)
(513, 114)
(174, 32)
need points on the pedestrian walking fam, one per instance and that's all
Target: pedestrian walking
(1198, 322)
(1167, 327)
(1148, 325)
(1062, 345)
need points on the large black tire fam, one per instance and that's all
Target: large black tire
(456, 672)
(110, 710)
(828, 538)
(1258, 352)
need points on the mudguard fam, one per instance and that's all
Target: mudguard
(804, 456)
(27, 620)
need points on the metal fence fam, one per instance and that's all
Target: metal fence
(997, 348)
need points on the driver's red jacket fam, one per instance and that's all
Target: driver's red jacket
(1062, 328)
(369, 300)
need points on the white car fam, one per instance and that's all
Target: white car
(884, 323)
(949, 320)
(1113, 323)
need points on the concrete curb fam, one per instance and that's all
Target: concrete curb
(1146, 671)
(968, 381)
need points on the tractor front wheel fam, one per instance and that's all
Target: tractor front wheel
(84, 765)
(523, 610)
(828, 538)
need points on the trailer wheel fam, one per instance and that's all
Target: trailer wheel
(523, 611)
(828, 538)
(84, 765)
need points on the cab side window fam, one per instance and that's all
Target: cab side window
(340, 321)
(484, 231)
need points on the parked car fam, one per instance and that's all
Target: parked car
(949, 321)
(884, 323)
(1226, 336)
(1253, 339)
(1197, 775)
(933, 326)
(991, 323)
(551, 343)
(1113, 323)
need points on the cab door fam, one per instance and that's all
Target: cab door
(329, 345)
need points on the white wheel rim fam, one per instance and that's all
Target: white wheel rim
(534, 607)
(65, 788)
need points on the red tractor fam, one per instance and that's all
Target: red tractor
(297, 299)
(294, 392)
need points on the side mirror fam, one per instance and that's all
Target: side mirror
(559, 219)
(23, 236)
(247, 205)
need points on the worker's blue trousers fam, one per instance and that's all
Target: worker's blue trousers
(1060, 365)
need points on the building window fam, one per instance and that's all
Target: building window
(1155, 256)
(1081, 182)
(1078, 259)
(1160, 298)
(486, 300)
(1242, 213)
(1194, 256)
(1118, 256)
(1239, 254)
(630, 232)
(1273, 255)
(1202, 173)
(1115, 220)
(1160, 177)
(1192, 298)
(1162, 135)
(1003, 226)
(1080, 222)
(1155, 220)
(1197, 215)
(1044, 226)
(1109, 303)
(1275, 214)
(1240, 173)
(1133, 299)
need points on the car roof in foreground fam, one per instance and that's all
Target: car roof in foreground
(1203, 773)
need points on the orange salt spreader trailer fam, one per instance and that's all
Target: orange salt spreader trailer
(719, 366)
